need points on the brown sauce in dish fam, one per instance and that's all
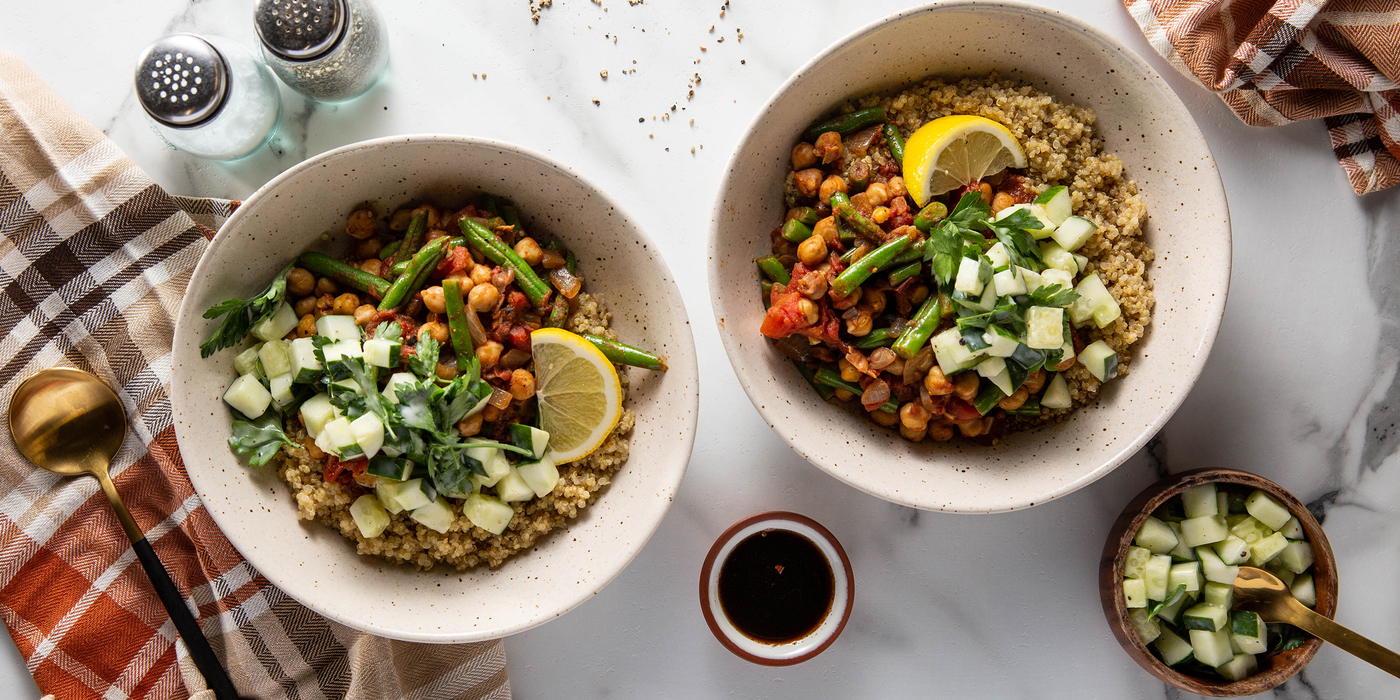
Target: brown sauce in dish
(776, 586)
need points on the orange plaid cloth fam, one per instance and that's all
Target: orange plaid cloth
(1280, 61)
(94, 260)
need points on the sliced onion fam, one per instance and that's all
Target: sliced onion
(876, 394)
(882, 358)
(567, 284)
(896, 367)
(858, 361)
(917, 366)
(859, 142)
(500, 398)
(477, 330)
(514, 358)
(795, 347)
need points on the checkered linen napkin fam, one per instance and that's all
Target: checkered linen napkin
(1280, 61)
(94, 260)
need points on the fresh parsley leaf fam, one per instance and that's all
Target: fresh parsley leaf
(462, 396)
(1021, 247)
(1289, 637)
(1052, 295)
(260, 438)
(389, 331)
(241, 315)
(425, 356)
(374, 402)
(451, 470)
(415, 407)
(969, 210)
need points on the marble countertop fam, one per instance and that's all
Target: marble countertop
(1001, 606)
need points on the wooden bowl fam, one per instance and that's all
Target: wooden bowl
(1274, 669)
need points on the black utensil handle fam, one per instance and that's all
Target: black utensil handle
(203, 656)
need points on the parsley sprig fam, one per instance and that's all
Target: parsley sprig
(260, 438)
(240, 315)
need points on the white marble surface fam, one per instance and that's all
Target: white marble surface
(1302, 386)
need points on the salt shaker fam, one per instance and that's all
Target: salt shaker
(208, 96)
(328, 50)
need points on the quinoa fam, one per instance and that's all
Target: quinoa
(465, 545)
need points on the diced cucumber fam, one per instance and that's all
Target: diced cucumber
(1135, 564)
(1238, 668)
(1047, 224)
(347, 384)
(248, 396)
(997, 254)
(341, 438)
(492, 460)
(273, 355)
(1045, 327)
(246, 362)
(1082, 260)
(1297, 556)
(1222, 503)
(1074, 232)
(1134, 593)
(1205, 616)
(1265, 550)
(1205, 530)
(487, 513)
(1248, 632)
(316, 412)
(1002, 382)
(512, 488)
(1056, 393)
(1266, 510)
(437, 515)
(1056, 203)
(1277, 568)
(541, 476)
(1211, 648)
(396, 379)
(1000, 342)
(1185, 574)
(1154, 535)
(1009, 282)
(344, 348)
(409, 495)
(1250, 530)
(305, 368)
(369, 516)
(386, 467)
(1058, 259)
(528, 437)
(1221, 594)
(369, 433)
(1051, 276)
(1145, 625)
(1293, 530)
(1200, 501)
(1094, 302)
(1304, 590)
(383, 353)
(1157, 572)
(1180, 552)
(1172, 610)
(1215, 569)
(1173, 649)
(969, 278)
(281, 322)
(386, 498)
(951, 354)
(280, 387)
(338, 327)
(1032, 278)
(1100, 360)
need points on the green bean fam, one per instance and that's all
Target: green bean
(389, 249)
(855, 253)
(559, 314)
(880, 337)
(625, 354)
(894, 142)
(810, 375)
(914, 252)
(420, 265)
(930, 215)
(398, 268)
(770, 266)
(841, 205)
(766, 288)
(412, 239)
(830, 378)
(482, 239)
(457, 325)
(919, 330)
(489, 204)
(861, 270)
(344, 273)
(808, 216)
(899, 275)
(571, 263)
(846, 123)
(796, 231)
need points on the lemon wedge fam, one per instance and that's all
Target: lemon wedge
(579, 394)
(958, 150)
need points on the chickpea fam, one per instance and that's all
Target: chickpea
(364, 314)
(1065, 364)
(491, 413)
(326, 285)
(919, 295)
(897, 367)
(848, 370)
(875, 302)
(860, 325)
(878, 193)
(434, 299)
(1001, 201)
(304, 306)
(529, 251)
(937, 383)
(345, 304)
(889, 420)
(469, 426)
(914, 416)
(862, 204)
(438, 331)
(940, 430)
(374, 266)
(481, 274)
(522, 384)
(311, 449)
(976, 428)
(445, 372)
(300, 282)
(880, 215)
(434, 219)
(810, 311)
(831, 186)
(842, 395)
(803, 156)
(489, 353)
(846, 302)
(306, 327)
(897, 188)
(369, 248)
(502, 276)
(828, 146)
(966, 385)
(1035, 382)
(986, 190)
(360, 225)
(464, 282)
(434, 235)
(782, 246)
(912, 435)
(826, 230)
(483, 297)
(812, 286)
(812, 251)
(808, 181)
(400, 220)
(1015, 400)
(323, 305)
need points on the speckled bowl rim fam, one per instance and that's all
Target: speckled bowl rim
(685, 360)
(769, 408)
(777, 518)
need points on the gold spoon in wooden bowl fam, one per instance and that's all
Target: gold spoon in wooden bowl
(1262, 592)
(71, 423)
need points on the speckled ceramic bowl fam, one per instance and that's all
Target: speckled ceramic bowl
(318, 566)
(1140, 120)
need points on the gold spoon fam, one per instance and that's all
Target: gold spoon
(71, 423)
(1262, 592)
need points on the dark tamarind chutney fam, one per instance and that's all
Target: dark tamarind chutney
(776, 586)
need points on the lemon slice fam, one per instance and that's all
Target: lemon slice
(579, 394)
(950, 152)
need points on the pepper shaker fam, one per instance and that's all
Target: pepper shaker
(207, 96)
(328, 50)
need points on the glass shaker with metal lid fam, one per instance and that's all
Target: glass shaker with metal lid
(207, 96)
(328, 50)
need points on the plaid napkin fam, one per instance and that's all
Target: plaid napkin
(1280, 61)
(94, 260)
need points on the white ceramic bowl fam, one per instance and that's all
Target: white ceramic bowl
(318, 566)
(1140, 120)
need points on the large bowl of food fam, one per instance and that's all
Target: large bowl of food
(413, 380)
(973, 273)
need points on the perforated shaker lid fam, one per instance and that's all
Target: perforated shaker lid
(182, 80)
(300, 30)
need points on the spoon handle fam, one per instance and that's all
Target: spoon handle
(204, 657)
(1346, 640)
